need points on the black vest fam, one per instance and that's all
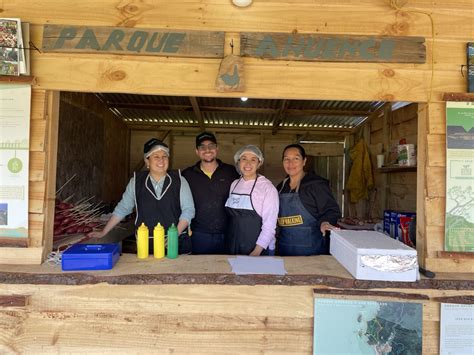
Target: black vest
(149, 209)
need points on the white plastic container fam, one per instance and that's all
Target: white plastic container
(406, 155)
(370, 255)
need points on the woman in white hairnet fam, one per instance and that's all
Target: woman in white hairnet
(252, 207)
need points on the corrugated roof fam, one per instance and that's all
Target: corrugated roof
(182, 111)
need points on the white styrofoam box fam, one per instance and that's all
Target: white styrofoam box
(370, 255)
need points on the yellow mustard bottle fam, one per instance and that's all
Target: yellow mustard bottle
(142, 241)
(159, 241)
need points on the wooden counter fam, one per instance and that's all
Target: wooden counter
(193, 304)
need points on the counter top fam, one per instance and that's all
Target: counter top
(215, 269)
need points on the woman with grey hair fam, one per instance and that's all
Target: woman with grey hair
(252, 207)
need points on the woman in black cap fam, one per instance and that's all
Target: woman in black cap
(158, 195)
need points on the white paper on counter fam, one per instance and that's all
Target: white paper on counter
(248, 265)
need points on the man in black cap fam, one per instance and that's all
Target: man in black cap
(210, 180)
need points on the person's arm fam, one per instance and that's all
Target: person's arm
(111, 223)
(187, 206)
(328, 207)
(269, 214)
(123, 208)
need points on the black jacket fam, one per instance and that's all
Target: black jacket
(317, 197)
(209, 196)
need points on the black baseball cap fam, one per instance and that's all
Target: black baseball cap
(205, 136)
(153, 145)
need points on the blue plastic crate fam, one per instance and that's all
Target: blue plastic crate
(90, 257)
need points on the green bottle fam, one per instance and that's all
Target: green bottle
(172, 242)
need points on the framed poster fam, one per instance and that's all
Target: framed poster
(14, 159)
(459, 226)
(456, 329)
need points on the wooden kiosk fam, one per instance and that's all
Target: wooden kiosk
(194, 304)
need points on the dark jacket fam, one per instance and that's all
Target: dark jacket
(317, 197)
(209, 196)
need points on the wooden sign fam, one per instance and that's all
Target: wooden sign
(231, 75)
(133, 41)
(333, 48)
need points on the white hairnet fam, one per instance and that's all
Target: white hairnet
(251, 149)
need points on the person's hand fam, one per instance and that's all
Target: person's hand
(326, 226)
(96, 234)
(257, 251)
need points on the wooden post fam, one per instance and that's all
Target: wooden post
(51, 148)
(387, 121)
(421, 242)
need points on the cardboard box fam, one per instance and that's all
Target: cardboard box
(370, 255)
(386, 221)
(393, 224)
(401, 231)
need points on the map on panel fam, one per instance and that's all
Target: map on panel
(367, 327)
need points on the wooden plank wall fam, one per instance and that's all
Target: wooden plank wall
(93, 145)
(181, 319)
(400, 187)
(451, 25)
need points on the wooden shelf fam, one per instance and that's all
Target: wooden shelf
(22, 79)
(453, 96)
(396, 169)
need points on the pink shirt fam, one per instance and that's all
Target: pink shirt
(266, 203)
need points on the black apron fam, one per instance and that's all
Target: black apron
(165, 209)
(245, 224)
(300, 232)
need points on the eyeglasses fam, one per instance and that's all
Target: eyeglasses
(204, 147)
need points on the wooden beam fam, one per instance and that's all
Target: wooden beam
(19, 256)
(155, 107)
(455, 255)
(369, 293)
(197, 112)
(386, 129)
(377, 113)
(14, 242)
(51, 149)
(280, 116)
(352, 113)
(22, 79)
(14, 300)
(422, 243)
(451, 96)
(243, 110)
(174, 127)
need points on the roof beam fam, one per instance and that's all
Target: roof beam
(244, 110)
(197, 112)
(280, 116)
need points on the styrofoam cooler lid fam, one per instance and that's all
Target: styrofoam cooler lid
(370, 242)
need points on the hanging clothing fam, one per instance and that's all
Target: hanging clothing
(361, 179)
(299, 233)
(245, 224)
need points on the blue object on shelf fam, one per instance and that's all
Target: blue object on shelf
(90, 257)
